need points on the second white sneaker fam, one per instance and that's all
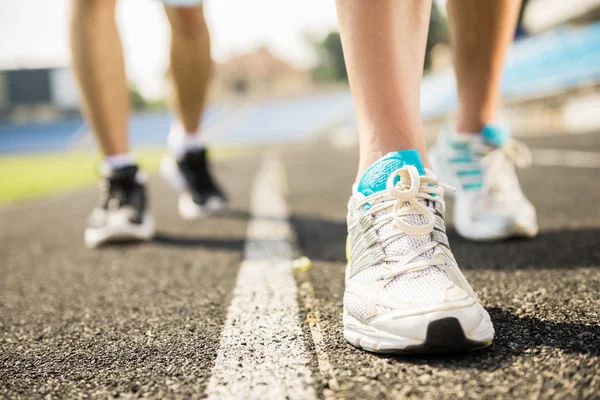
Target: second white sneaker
(489, 203)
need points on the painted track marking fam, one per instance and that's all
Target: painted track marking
(263, 353)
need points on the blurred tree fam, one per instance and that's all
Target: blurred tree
(331, 66)
(438, 32)
(138, 102)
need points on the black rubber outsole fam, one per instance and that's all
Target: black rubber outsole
(445, 336)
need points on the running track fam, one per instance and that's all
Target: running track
(213, 308)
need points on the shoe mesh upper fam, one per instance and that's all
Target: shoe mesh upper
(423, 286)
(354, 305)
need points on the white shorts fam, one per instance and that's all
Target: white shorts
(182, 3)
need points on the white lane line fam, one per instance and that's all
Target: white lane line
(262, 353)
(566, 158)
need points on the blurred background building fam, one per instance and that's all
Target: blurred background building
(258, 73)
(37, 94)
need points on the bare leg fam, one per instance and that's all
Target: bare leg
(481, 32)
(384, 46)
(100, 70)
(190, 63)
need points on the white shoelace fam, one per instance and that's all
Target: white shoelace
(405, 198)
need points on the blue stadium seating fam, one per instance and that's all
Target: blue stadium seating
(541, 65)
(34, 137)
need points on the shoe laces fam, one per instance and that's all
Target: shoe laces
(408, 196)
(497, 161)
(115, 191)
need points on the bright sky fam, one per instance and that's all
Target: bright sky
(34, 32)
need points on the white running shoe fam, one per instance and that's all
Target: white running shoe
(186, 169)
(199, 195)
(489, 204)
(404, 291)
(121, 213)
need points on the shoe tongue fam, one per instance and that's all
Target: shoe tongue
(375, 177)
(496, 135)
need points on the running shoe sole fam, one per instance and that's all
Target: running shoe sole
(444, 334)
(119, 232)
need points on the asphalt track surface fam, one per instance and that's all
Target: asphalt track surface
(146, 320)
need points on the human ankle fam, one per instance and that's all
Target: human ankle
(115, 161)
(473, 124)
(180, 142)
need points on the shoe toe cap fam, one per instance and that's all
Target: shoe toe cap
(473, 319)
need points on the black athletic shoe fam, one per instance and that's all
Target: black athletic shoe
(121, 212)
(200, 195)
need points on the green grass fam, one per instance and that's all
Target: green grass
(26, 177)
